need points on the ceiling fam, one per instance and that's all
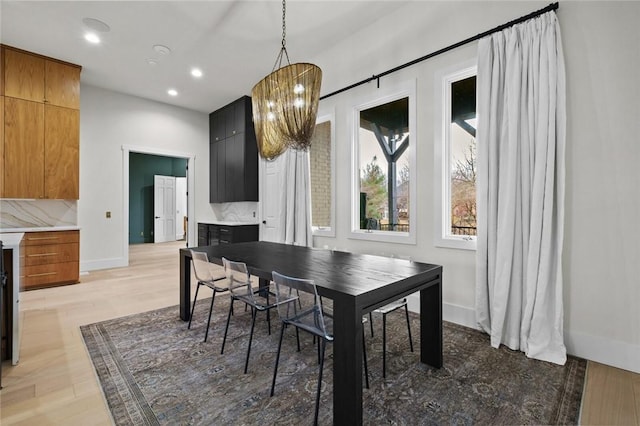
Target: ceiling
(233, 42)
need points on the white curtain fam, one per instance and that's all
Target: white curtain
(296, 199)
(520, 183)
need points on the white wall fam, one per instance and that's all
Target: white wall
(109, 121)
(601, 257)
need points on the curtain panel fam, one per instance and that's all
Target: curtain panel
(520, 184)
(296, 199)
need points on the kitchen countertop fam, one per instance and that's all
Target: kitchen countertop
(39, 229)
(227, 223)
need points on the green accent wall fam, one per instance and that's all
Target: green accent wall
(142, 168)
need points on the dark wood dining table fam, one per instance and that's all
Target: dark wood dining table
(357, 284)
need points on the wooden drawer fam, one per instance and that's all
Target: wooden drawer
(43, 275)
(51, 253)
(51, 237)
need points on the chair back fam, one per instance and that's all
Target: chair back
(239, 278)
(205, 271)
(299, 304)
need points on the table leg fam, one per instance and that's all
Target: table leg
(347, 362)
(185, 287)
(431, 324)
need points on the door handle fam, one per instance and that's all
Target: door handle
(157, 217)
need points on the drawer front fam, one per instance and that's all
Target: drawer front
(57, 273)
(51, 253)
(225, 234)
(51, 237)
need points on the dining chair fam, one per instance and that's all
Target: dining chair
(385, 310)
(242, 290)
(300, 306)
(208, 275)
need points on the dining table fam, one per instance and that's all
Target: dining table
(357, 284)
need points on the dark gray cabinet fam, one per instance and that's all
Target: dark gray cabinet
(233, 154)
(213, 234)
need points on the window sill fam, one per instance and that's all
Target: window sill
(384, 236)
(461, 243)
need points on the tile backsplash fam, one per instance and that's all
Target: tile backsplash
(246, 211)
(38, 213)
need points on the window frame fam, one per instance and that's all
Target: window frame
(331, 230)
(392, 92)
(442, 157)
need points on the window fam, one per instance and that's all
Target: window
(456, 154)
(322, 180)
(384, 167)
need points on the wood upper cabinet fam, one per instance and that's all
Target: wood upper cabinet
(23, 75)
(62, 85)
(1, 145)
(23, 149)
(61, 154)
(41, 126)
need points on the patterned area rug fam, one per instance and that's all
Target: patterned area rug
(155, 371)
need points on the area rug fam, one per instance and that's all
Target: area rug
(153, 370)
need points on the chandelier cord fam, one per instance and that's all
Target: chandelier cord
(283, 49)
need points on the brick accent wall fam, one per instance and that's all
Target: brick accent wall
(320, 164)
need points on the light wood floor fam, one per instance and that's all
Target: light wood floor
(55, 383)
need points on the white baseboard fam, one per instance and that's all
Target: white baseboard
(94, 265)
(595, 348)
(605, 351)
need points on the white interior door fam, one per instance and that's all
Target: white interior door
(181, 206)
(164, 208)
(271, 228)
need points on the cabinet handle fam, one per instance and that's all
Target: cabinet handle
(224, 230)
(41, 238)
(42, 254)
(42, 274)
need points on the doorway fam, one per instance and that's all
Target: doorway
(189, 229)
(153, 197)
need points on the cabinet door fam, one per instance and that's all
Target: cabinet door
(229, 113)
(216, 126)
(235, 168)
(62, 84)
(221, 172)
(23, 76)
(23, 149)
(213, 173)
(1, 147)
(61, 159)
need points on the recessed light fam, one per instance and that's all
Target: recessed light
(96, 25)
(163, 50)
(92, 38)
(172, 92)
(196, 72)
(152, 62)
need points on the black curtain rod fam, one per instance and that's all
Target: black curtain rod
(552, 6)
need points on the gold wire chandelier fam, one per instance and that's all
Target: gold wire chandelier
(285, 104)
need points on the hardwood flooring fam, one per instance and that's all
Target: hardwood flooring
(55, 382)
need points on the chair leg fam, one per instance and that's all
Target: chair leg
(364, 357)
(298, 338)
(406, 311)
(275, 368)
(384, 346)
(206, 333)
(371, 323)
(254, 311)
(322, 345)
(193, 308)
(226, 329)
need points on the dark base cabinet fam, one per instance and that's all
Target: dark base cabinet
(212, 234)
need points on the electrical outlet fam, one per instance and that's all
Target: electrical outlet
(142, 233)
(108, 214)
